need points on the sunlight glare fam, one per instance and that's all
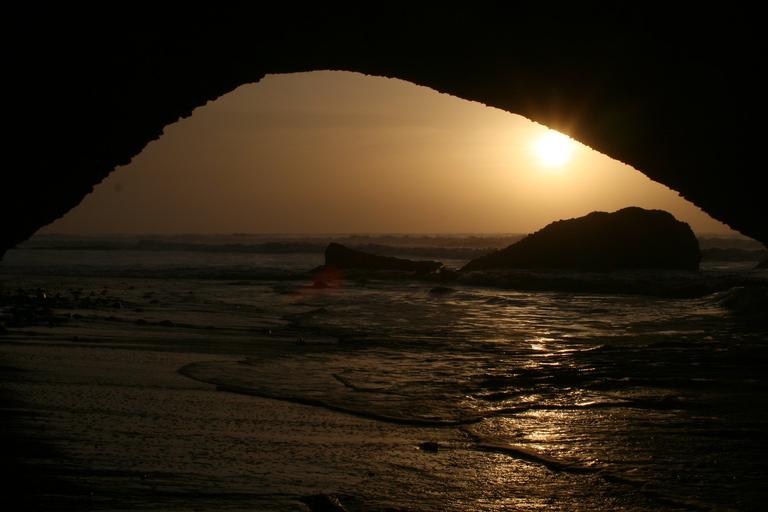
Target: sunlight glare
(553, 148)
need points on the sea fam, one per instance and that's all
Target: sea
(515, 390)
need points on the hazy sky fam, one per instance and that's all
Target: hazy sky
(338, 152)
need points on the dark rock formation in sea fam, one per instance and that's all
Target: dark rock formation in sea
(341, 257)
(632, 238)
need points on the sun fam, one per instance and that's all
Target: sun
(553, 149)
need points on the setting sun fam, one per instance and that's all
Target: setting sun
(553, 148)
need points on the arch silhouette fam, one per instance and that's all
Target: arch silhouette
(674, 94)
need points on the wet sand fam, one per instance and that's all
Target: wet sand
(126, 430)
(103, 420)
(120, 429)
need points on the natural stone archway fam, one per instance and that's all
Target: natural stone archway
(675, 95)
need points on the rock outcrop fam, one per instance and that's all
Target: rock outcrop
(673, 92)
(342, 257)
(632, 238)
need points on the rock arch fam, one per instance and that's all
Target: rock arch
(674, 94)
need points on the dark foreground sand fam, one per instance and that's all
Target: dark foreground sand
(96, 416)
(117, 427)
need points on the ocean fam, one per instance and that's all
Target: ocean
(499, 390)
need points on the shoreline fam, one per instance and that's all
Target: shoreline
(128, 431)
(77, 384)
(112, 428)
(112, 424)
(132, 433)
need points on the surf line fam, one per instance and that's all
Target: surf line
(520, 452)
(418, 422)
(527, 454)
(354, 387)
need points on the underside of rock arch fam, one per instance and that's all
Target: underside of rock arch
(675, 93)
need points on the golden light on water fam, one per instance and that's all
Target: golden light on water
(553, 149)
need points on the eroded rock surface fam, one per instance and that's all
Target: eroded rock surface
(673, 92)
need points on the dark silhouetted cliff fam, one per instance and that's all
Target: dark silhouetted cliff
(673, 92)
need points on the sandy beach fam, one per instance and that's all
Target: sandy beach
(118, 428)
(99, 413)
(109, 423)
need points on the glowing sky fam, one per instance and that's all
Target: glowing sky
(338, 152)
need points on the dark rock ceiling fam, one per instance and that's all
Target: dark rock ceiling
(676, 93)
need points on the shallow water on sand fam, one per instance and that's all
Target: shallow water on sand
(395, 393)
(667, 395)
